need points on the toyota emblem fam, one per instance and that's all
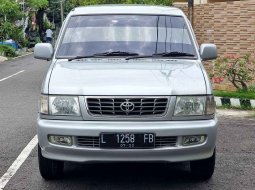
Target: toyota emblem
(127, 106)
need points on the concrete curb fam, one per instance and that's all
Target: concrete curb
(236, 113)
(1, 62)
(22, 55)
(235, 102)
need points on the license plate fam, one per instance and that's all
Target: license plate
(127, 140)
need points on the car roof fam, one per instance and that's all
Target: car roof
(127, 9)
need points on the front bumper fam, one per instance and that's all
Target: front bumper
(160, 128)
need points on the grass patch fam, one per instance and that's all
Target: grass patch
(241, 95)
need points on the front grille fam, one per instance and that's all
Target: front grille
(93, 142)
(127, 106)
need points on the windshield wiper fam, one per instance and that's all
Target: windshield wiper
(109, 53)
(134, 55)
(165, 54)
(139, 56)
(116, 53)
(173, 54)
(80, 57)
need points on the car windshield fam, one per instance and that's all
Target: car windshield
(133, 34)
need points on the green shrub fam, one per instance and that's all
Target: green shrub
(251, 89)
(239, 70)
(8, 50)
(24, 42)
(47, 24)
(236, 94)
(10, 31)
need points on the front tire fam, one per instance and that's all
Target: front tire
(203, 169)
(49, 169)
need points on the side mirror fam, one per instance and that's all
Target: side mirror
(208, 51)
(43, 51)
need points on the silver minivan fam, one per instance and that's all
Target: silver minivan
(126, 84)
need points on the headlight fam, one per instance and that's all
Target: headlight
(60, 105)
(64, 105)
(194, 106)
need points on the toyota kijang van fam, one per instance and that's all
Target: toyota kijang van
(126, 84)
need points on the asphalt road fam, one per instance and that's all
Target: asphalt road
(235, 165)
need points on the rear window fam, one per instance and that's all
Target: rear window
(141, 34)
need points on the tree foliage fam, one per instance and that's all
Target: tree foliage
(9, 13)
(54, 6)
(70, 4)
(9, 10)
(9, 31)
(38, 4)
(150, 2)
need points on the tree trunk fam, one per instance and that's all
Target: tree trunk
(244, 86)
(39, 18)
(233, 81)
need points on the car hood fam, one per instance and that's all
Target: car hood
(121, 77)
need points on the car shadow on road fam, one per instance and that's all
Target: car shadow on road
(128, 176)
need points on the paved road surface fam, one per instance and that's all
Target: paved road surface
(235, 166)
